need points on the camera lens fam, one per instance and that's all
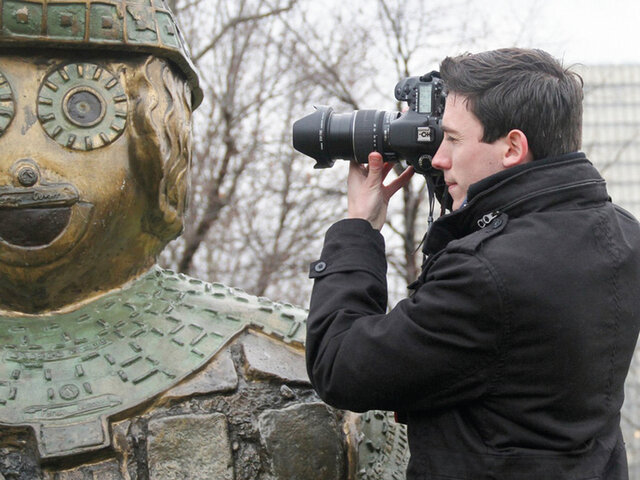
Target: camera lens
(309, 136)
(328, 136)
(339, 136)
(368, 134)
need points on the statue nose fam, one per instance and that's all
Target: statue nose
(26, 172)
(27, 177)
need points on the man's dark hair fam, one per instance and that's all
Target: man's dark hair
(524, 89)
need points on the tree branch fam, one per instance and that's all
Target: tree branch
(234, 22)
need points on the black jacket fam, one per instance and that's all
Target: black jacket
(508, 360)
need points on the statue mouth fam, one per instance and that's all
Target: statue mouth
(35, 216)
(33, 227)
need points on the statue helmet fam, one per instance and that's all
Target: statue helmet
(145, 26)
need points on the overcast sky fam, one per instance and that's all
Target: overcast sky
(585, 31)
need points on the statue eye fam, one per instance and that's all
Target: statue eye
(7, 106)
(82, 106)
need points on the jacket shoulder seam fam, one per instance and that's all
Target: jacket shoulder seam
(505, 314)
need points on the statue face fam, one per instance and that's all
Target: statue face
(70, 206)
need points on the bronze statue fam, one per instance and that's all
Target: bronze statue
(112, 366)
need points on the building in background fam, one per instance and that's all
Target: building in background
(611, 129)
(611, 140)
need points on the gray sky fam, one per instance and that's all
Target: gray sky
(585, 31)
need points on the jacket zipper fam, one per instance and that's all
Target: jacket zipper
(487, 218)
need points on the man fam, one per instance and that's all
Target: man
(508, 359)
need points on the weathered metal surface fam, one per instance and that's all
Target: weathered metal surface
(71, 182)
(111, 367)
(64, 374)
(114, 25)
(382, 446)
(82, 106)
(7, 106)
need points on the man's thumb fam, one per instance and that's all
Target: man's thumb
(375, 164)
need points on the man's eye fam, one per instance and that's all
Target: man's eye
(82, 106)
(7, 105)
(451, 139)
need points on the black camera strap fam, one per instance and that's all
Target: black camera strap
(444, 199)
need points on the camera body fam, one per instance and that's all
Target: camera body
(417, 133)
(414, 135)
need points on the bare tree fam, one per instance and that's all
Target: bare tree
(250, 221)
(258, 211)
(228, 125)
(358, 63)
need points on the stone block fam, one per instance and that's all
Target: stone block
(218, 376)
(269, 358)
(194, 447)
(304, 442)
(107, 470)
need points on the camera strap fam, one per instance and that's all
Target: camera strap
(444, 199)
(431, 191)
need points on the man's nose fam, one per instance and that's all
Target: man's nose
(440, 160)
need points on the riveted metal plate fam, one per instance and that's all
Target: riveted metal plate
(66, 21)
(146, 26)
(66, 373)
(106, 24)
(7, 105)
(82, 106)
(22, 18)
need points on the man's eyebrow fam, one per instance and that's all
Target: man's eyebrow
(448, 129)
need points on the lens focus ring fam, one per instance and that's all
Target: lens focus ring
(367, 134)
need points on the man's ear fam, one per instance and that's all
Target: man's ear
(517, 149)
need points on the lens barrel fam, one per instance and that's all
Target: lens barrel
(368, 134)
(310, 136)
(328, 136)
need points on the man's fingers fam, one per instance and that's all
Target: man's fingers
(399, 182)
(377, 170)
(386, 168)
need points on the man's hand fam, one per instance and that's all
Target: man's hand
(367, 196)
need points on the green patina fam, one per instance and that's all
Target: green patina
(88, 122)
(66, 374)
(146, 26)
(7, 108)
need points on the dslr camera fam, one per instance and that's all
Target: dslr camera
(414, 135)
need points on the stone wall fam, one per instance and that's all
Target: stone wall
(250, 414)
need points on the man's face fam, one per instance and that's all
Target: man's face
(462, 156)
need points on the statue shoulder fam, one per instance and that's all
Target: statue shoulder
(284, 321)
(377, 444)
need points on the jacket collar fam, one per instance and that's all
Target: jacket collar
(565, 181)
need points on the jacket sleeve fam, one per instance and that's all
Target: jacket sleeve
(439, 347)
